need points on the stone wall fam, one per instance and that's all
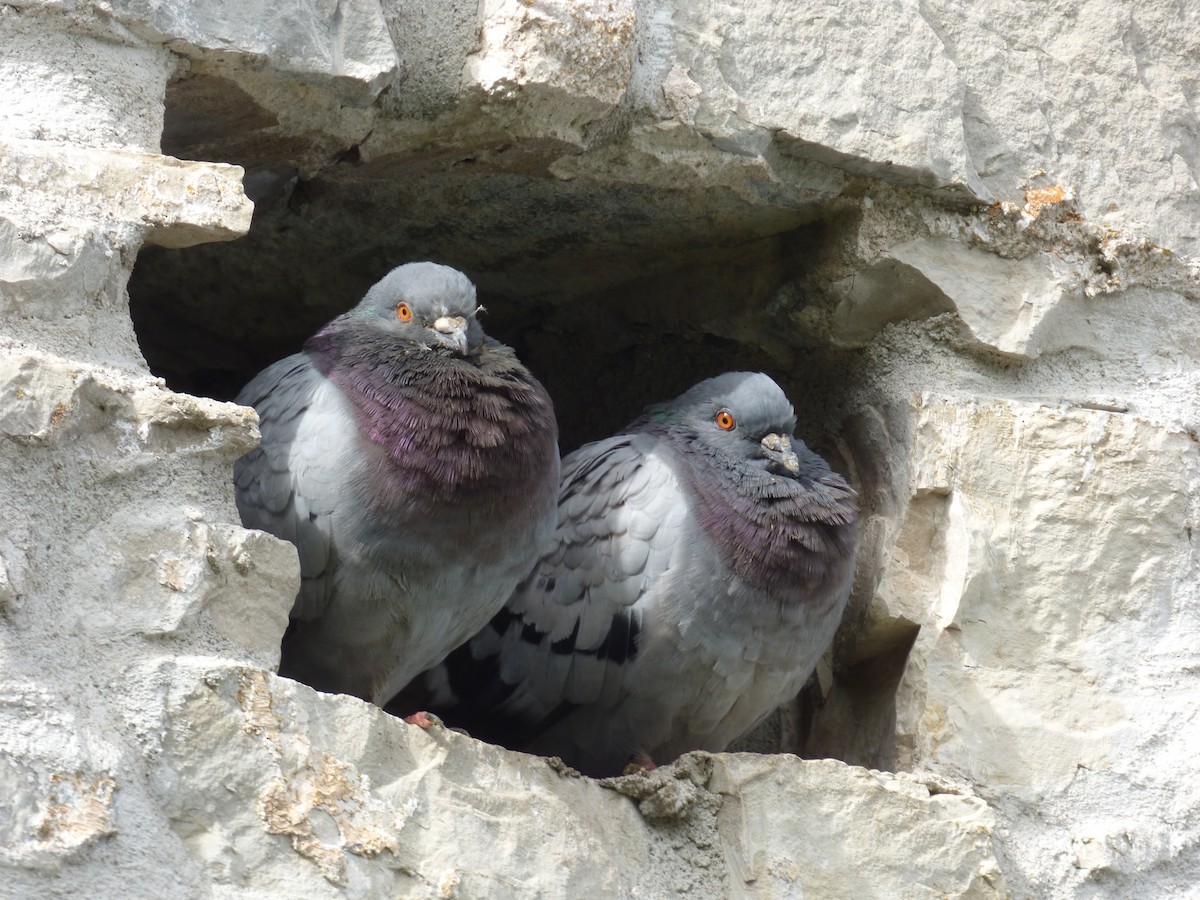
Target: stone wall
(965, 241)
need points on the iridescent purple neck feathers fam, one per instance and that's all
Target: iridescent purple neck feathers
(447, 429)
(786, 535)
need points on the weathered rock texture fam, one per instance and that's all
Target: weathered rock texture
(964, 240)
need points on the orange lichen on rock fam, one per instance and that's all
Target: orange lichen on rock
(1036, 198)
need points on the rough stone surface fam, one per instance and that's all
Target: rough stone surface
(104, 93)
(964, 240)
(1095, 96)
(1038, 701)
(841, 89)
(279, 790)
(340, 45)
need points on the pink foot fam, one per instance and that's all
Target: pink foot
(423, 719)
(639, 762)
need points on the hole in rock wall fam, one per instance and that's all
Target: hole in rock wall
(614, 295)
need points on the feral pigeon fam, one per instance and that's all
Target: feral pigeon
(700, 567)
(413, 461)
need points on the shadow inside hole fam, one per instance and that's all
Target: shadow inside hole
(208, 318)
(856, 722)
(615, 296)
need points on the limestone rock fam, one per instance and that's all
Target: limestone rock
(827, 93)
(281, 790)
(345, 44)
(826, 864)
(180, 203)
(60, 272)
(1018, 307)
(959, 237)
(582, 49)
(58, 798)
(104, 93)
(1095, 99)
(1047, 637)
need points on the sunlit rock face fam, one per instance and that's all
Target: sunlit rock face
(964, 242)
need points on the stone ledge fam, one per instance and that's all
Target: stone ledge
(343, 46)
(47, 185)
(46, 400)
(315, 794)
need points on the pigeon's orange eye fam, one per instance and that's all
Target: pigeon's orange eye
(403, 313)
(725, 420)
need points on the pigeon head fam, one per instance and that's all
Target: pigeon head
(779, 517)
(453, 414)
(426, 304)
(741, 415)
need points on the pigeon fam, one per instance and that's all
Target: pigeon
(700, 566)
(413, 461)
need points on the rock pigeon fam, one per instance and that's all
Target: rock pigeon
(701, 564)
(413, 461)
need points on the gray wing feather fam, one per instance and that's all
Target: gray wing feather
(291, 485)
(619, 529)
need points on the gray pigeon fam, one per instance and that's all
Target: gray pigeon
(413, 461)
(700, 567)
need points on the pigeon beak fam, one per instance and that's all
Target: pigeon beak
(778, 449)
(455, 330)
